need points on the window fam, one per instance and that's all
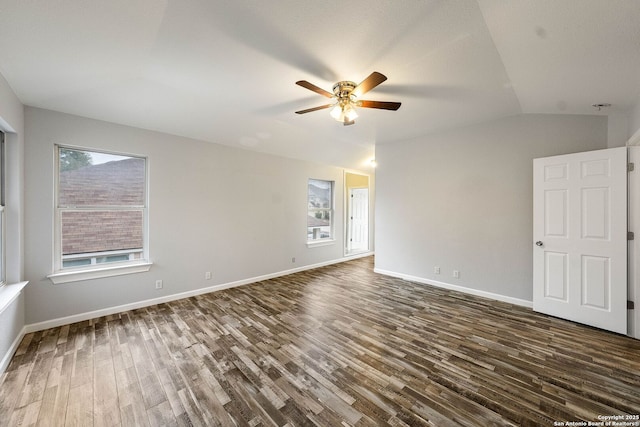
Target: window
(101, 209)
(3, 274)
(320, 210)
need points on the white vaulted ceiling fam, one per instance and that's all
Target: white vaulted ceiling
(224, 71)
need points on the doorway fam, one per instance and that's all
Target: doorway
(357, 213)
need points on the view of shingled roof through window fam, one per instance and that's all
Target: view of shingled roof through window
(103, 206)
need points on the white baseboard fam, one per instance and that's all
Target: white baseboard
(167, 298)
(485, 294)
(9, 354)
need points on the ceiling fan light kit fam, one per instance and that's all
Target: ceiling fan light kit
(345, 98)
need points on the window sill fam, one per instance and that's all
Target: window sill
(8, 293)
(98, 273)
(319, 243)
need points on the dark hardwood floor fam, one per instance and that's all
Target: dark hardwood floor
(335, 346)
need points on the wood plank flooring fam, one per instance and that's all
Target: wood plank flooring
(335, 346)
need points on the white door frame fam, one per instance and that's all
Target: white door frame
(634, 245)
(346, 212)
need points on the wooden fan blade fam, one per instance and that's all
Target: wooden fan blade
(369, 83)
(305, 84)
(308, 110)
(380, 105)
(349, 123)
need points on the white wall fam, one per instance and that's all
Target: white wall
(634, 123)
(237, 213)
(463, 200)
(12, 319)
(617, 129)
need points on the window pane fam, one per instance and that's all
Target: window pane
(2, 170)
(319, 194)
(318, 224)
(112, 258)
(319, 208)
(2, 243)
(76, 262)
(315, 233)
(96, 179)
(3, 273)
(87, 232)
(319, 218)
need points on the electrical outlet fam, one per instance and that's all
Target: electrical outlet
(207, 275)
(158, 284)
(436, 270)
(456, 274)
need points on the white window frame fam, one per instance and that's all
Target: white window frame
(3, 228)
(327, 240)
(94, 270)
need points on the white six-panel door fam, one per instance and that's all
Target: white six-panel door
(580, 237)
(358, 219)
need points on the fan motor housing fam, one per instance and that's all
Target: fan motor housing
(342, 90)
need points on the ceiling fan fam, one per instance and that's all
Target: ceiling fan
(345, 98)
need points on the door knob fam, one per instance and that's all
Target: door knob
(538, 243)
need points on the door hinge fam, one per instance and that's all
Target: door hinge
(630, 305)
(630, 235)
(630, 167)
